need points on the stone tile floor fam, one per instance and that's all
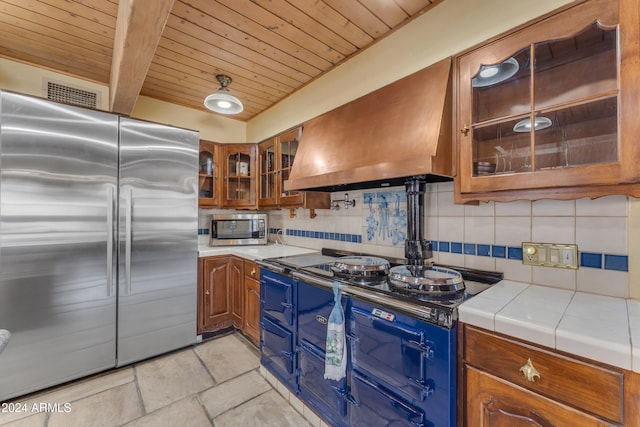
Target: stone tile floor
(216, 383)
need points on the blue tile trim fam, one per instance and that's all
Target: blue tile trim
(591, 260)
(616, 262)
(498, 251)
(514, 252)
(484, 250)
(310, 234)
(587, 259)
(202, 231)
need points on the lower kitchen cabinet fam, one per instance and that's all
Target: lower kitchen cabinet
(214, 302)
(508, 382)
(229, 296)
(236, 287)
(251, 323)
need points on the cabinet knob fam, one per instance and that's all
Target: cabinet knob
(206, 292)
(464, 130)
(529, 371)
(253, 271)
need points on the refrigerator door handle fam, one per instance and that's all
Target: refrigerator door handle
(127, 248)
(110, 241)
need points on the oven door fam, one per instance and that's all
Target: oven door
(326, 397)
(277, 350)
(376, 406)
(416, 360)
(277, 294)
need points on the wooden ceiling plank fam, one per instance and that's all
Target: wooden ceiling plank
(387, 11)
(360, 16)
(191, 65)
(170, 78)
(204, 66)
(413, 7)
(334, 21)
(54, 36)
(65, 17)
(279, 32)
(31, 20)
(138, 30)
(85, 63)
(305, 23)
(105, 6)
(223, 48)
(257, 38)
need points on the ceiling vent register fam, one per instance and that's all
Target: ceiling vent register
(72, 95)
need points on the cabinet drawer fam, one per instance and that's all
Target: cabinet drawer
(587, 386)
(251, 269)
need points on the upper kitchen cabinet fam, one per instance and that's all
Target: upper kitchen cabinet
(554, 104)
(240, 176)
(209, 175)
(276, 156)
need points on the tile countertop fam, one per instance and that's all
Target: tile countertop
(597, 327)
(253, 252)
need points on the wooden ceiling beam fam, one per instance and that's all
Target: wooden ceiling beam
(139, 27)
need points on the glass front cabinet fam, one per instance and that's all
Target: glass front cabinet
(208, 176)
(555, 104)
(276, 156)
(240, 176)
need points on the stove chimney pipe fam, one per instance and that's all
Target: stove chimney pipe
(416, 250)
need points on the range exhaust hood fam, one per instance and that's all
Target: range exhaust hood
(378, 140)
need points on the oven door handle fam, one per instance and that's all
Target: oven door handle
(423, 347)
(425, 389)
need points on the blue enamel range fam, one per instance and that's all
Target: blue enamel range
(401, 343)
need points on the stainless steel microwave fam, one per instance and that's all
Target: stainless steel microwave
(238, 229)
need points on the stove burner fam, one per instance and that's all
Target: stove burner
(426, 280)
(363, 269)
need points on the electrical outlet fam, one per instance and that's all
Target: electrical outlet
(550, 255)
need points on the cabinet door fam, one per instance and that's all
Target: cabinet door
(268, 165)
(215, 296)
(493, 402)
(544, 106)
(240, 176)
(236, 287)
(208, 175)
(251, 321)
(287, 149)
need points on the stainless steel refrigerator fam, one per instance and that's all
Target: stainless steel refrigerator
(98, 241)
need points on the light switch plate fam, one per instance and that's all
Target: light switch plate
(550, 255)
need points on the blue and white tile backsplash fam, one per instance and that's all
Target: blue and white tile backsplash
(487, 236)
(385, 217)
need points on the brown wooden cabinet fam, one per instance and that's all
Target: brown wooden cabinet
(563, 391)
(236, 287)
(251, 325)
(229, 296)
(551, 105)
(214, 305)
(209, 188)
(240, 171)
(276, 156)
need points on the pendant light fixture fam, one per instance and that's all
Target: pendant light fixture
(222, 101)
